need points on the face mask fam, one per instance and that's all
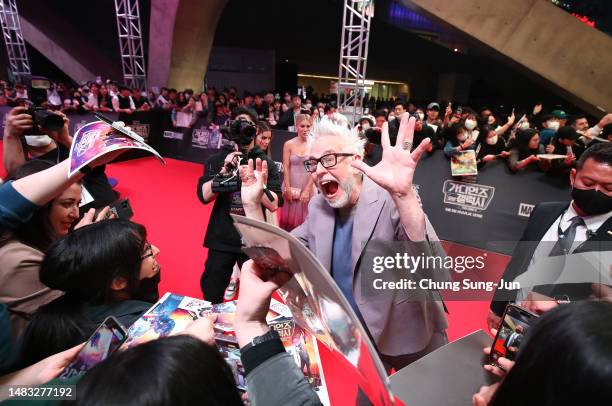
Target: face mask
(365, 126)
(553, 125)
(321, 114)
(462, 137)
(591, 201)
(421, 116)
(38, 140)
(470, 124)
(308, 106)
(524, 125)
(492, 140)
(491, 120)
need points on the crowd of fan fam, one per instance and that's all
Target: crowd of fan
(60, 277)
(523, 140)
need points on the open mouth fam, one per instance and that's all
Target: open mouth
(329, 188)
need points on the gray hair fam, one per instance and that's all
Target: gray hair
(327, 128)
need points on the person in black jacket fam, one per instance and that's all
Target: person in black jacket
(222, 239)
(493, 146)
(557, 228)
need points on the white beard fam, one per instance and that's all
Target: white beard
(343, 200)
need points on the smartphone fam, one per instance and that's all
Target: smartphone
(120, 209)
(511, 333)
(103, 342)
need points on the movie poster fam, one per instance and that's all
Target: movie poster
(96, 139)
(464, 163)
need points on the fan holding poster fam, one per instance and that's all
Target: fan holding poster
(98, 138)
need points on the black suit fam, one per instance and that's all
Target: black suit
(542, 217)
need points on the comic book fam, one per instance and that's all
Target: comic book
(173, 313)
(464, 163)
(98, 138)
(169, 316)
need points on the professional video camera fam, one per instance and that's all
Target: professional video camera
(41, 116)
(241, 131)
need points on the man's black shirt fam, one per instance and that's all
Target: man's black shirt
(220, 233)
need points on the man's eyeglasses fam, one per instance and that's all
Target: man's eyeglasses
(327, 160)
(148, 251)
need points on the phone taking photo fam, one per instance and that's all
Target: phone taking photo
(107, 338)
(511, 333)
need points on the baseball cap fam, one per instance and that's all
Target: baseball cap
(559, 114)
(433, 106)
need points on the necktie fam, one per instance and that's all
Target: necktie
(566, 238)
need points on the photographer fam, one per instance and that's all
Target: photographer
(50, 145)
(221, 183)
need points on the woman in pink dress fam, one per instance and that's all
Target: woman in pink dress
(297, 184)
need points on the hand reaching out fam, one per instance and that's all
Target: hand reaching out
(17, 121)
(395, 171)
(88, 218)
(511, 118)
(537, 109)
(253, 181)
(254, 303)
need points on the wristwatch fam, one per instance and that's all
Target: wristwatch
(269, 336)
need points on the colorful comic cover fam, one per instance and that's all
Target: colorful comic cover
(303, 347)
(464, 163)
(169, 316)
(173, 313)
(96, 139)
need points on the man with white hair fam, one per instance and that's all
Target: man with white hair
(353, 209)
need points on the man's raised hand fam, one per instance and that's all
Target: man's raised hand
(395, 172)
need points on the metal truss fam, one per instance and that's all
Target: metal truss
(354, 56)
(130, 43)
(19, 63)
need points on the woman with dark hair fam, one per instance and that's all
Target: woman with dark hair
(22, 250)
(566, 359)
(105, 102)
(264, 137)
(458, 140)
(106, 268)
(180, 370)
(526, 150)
(492, 147)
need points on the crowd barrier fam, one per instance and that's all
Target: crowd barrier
(490, 214)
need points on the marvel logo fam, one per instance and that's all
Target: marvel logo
(525, 209)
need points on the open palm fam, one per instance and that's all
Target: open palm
(253, 177)
(395, 171)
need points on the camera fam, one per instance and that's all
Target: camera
(241, 131)
(37, 90)
(228, 182)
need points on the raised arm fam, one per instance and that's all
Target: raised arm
(12, 151)
(395, 173)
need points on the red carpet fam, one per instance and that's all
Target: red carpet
(164, 200)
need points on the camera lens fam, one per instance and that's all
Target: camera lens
(48, 120)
